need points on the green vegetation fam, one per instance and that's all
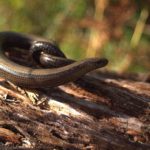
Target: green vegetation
(116, 29)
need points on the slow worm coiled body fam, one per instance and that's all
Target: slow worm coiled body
(37, 78)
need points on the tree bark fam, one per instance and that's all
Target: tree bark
(98, 112)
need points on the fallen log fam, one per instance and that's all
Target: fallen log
(99, 111)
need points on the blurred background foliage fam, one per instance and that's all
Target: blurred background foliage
(116, 29)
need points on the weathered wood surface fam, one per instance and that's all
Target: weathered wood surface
(100, 111)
